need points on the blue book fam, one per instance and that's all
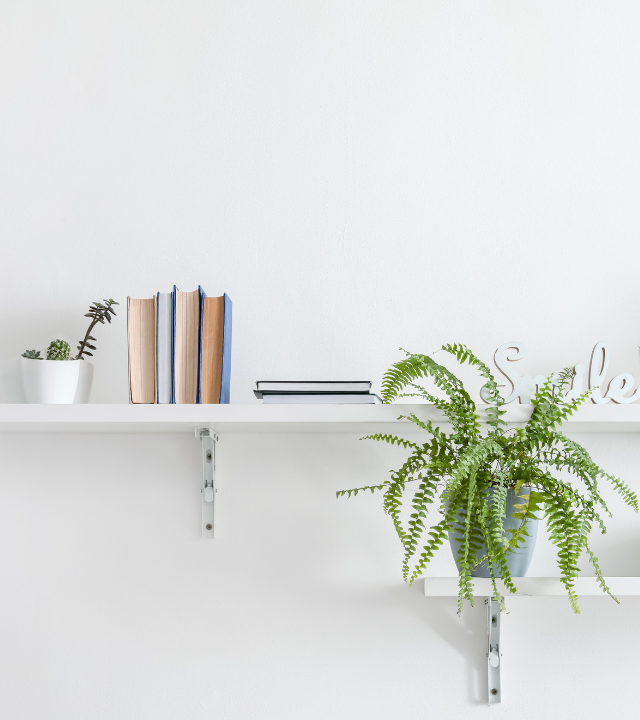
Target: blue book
(164, 348)
(225, 387)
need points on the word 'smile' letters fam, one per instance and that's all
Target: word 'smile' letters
(524, 386)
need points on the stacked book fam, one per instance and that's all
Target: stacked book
(179, 348)
(318, 392)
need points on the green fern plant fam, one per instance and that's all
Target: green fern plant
(59, 350)
(466, 474)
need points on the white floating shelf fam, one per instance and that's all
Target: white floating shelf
(448, 586)
(362, 419)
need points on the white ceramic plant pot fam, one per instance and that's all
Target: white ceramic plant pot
(56, 382)
(85, 380)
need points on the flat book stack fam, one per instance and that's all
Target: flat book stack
(285, 392)
(179, 348)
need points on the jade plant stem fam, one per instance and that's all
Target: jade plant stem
(98, 314)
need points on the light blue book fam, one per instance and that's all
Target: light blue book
(164, 348)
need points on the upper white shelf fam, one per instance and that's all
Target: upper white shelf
(364, 419)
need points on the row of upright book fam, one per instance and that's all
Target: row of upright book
(179, 348)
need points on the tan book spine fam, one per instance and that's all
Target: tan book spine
(212, 335)
(186, 346)
(141, 336)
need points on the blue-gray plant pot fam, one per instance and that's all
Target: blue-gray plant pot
(517, 561)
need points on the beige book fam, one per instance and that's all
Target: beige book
(186, 346)
(212, 334)
(141, 335)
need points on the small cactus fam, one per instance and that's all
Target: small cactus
(32, 355)
(59, 350)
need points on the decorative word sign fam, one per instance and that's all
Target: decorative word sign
(524, 386)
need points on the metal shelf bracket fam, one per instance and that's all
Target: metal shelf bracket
(208, 438)
(493, 651)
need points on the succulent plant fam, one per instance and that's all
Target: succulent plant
(98, 314)
(32, 355)
(59, 350)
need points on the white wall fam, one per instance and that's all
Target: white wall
(358, 176)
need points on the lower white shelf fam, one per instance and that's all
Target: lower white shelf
(448, 586)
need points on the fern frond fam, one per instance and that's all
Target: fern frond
(464, 355)
(601, 581)
(391, 439)
(424, 496)
(460, 411)
(355, 491)
(623, 489)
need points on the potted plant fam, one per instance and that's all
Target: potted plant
(60, 378)
(490, 487)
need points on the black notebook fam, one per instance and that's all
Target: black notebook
(311, 387)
